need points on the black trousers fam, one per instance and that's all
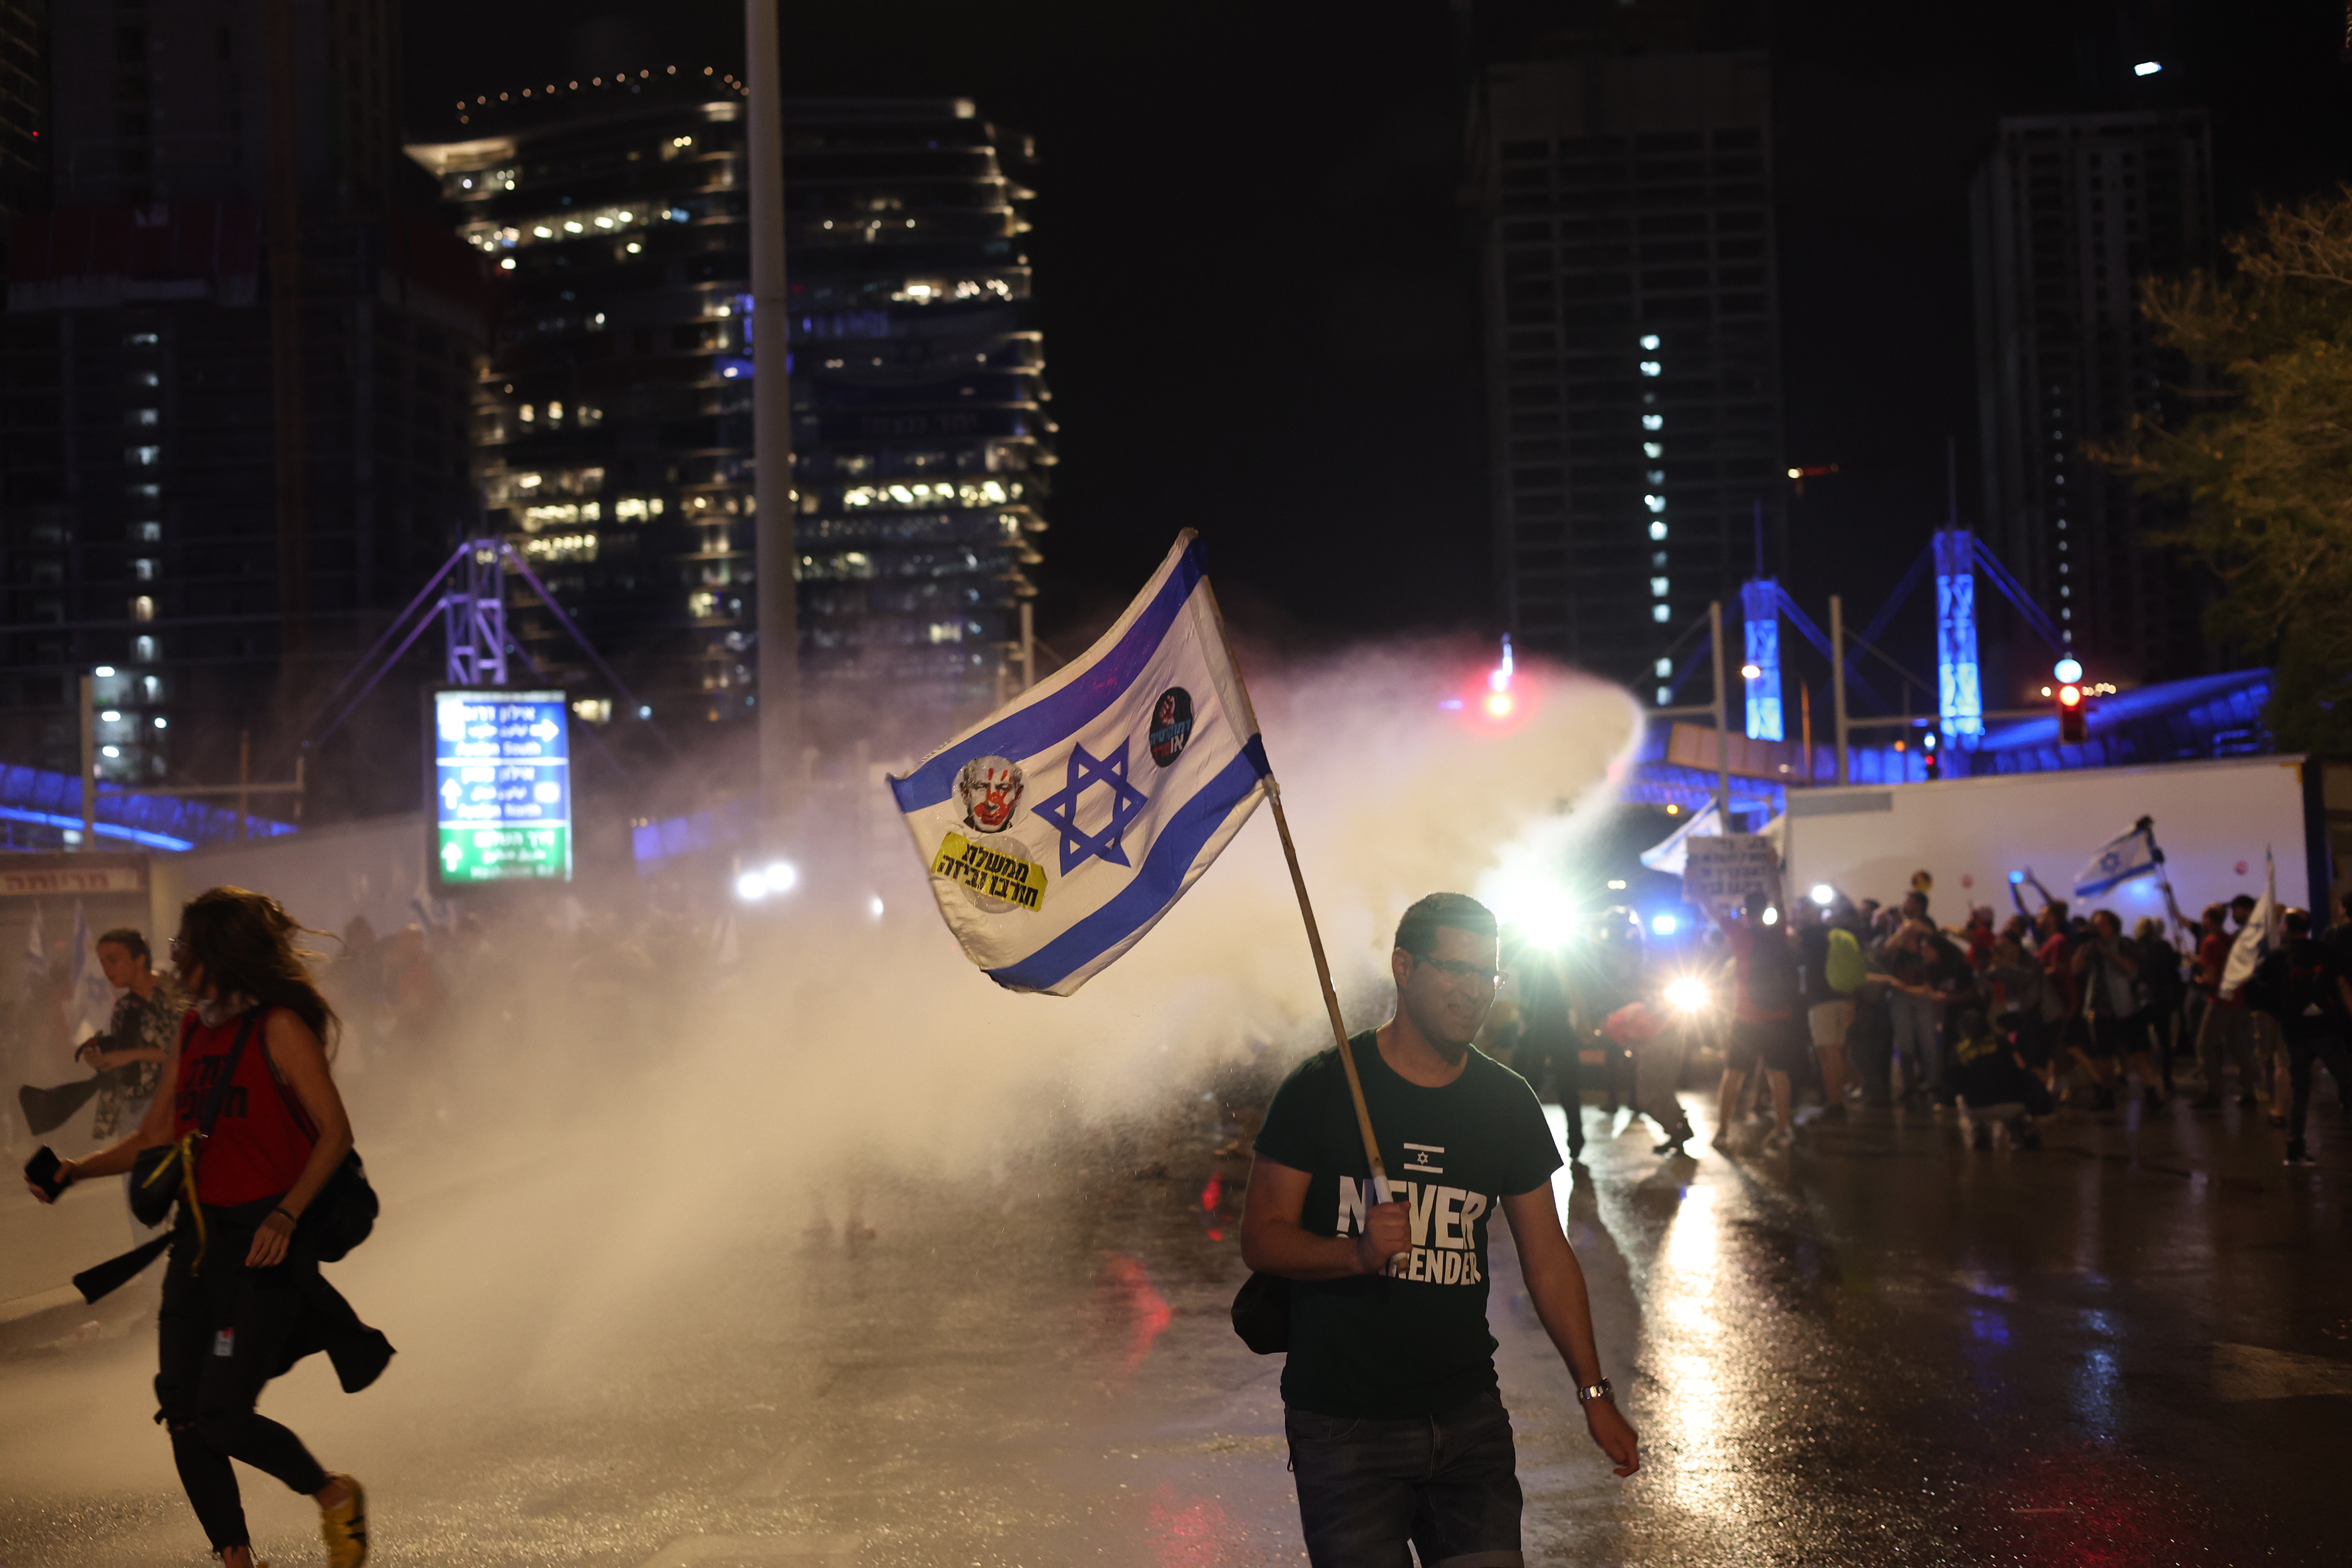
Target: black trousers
(2300, 1054)
(222, 1333)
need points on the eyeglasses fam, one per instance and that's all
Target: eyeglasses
(179, 946)
(1461, 969)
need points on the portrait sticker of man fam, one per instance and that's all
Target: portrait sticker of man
(991, 789)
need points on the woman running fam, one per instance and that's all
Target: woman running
(242, 1300)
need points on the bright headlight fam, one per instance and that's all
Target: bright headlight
(1688, 995)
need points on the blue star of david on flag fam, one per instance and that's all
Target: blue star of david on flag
(1093, 866)
(1061, 808)
(2116, 862)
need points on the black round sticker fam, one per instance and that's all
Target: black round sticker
(1171, 725)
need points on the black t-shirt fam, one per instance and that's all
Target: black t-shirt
(2297, 985)
(1412, 1342)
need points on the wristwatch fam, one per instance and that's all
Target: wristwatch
(1591, 1392)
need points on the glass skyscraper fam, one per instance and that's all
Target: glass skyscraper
(164, 528)
(2070, 215)
(615, 421)
(1633, 348)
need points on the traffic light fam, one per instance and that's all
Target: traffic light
(2073, 715)
(1932, 754)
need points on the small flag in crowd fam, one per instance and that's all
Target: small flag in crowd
(1062, 827)
(93, 998)
(1671, 856)
(2118, 861)
(37, 950)
(2257, 936)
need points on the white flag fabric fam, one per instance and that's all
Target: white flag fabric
(93, 998)
(1671, 854)
(37, 949)
(2118, 861)
(2256, 937)
(1062, 826)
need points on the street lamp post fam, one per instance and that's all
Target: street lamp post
(88, 762)
(1837, 679)
(772, 420)
(1722, 718)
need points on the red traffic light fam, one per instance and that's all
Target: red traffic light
(2073, 715)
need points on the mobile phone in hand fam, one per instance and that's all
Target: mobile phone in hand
(42, 1169)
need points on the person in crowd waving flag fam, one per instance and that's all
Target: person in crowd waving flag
(2124, 859)
(1062, 827)
(2257, 936)
(2119, 860)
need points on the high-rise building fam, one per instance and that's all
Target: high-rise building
(615, 422)
(2070, 215)
(1632, 345)
(24, 107)
(233, 410)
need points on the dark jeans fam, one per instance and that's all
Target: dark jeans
(222, 1333)
(1447, 1483)
(1870, 1042)
(2300, 1055)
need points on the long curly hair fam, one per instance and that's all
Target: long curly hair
(243, 942)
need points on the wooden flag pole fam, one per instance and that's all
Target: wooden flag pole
(1307, 913)
(1330, 997)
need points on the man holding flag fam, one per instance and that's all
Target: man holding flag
(1057, 832)
(1397, 1429)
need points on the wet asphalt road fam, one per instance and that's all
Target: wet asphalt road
(2134, 1346)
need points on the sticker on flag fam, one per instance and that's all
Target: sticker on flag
(1060, 828)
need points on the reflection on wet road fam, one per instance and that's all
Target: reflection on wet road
(2132, 1347)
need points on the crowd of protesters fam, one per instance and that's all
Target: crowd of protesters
(427, 1012)
(1999, 1022)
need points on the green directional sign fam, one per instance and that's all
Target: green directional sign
(502, 787)
(503, 854)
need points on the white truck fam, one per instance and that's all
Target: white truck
(1977, 837)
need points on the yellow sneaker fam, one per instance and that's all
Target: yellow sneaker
(345, 1527)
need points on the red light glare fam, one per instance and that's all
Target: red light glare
(1499, 705)
(2071, 696)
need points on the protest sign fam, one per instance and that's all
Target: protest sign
(1726, 867)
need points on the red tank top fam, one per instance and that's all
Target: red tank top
(260, 1142)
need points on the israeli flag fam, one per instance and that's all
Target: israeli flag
(1671, 855)
(2257, 937)
(2118, 862)
(93, 998)
(1060, 828)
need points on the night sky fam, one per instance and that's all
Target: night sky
(1259, 275)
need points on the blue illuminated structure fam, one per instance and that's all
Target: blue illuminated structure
(50, 801)
(1759, 607)
(1960, 693)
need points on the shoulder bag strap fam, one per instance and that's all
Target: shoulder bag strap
(211, 1112)
(293, 1105)
(191, 1146)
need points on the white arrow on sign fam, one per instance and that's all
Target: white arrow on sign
(545, 730)
(452, 856)
(451, 793)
